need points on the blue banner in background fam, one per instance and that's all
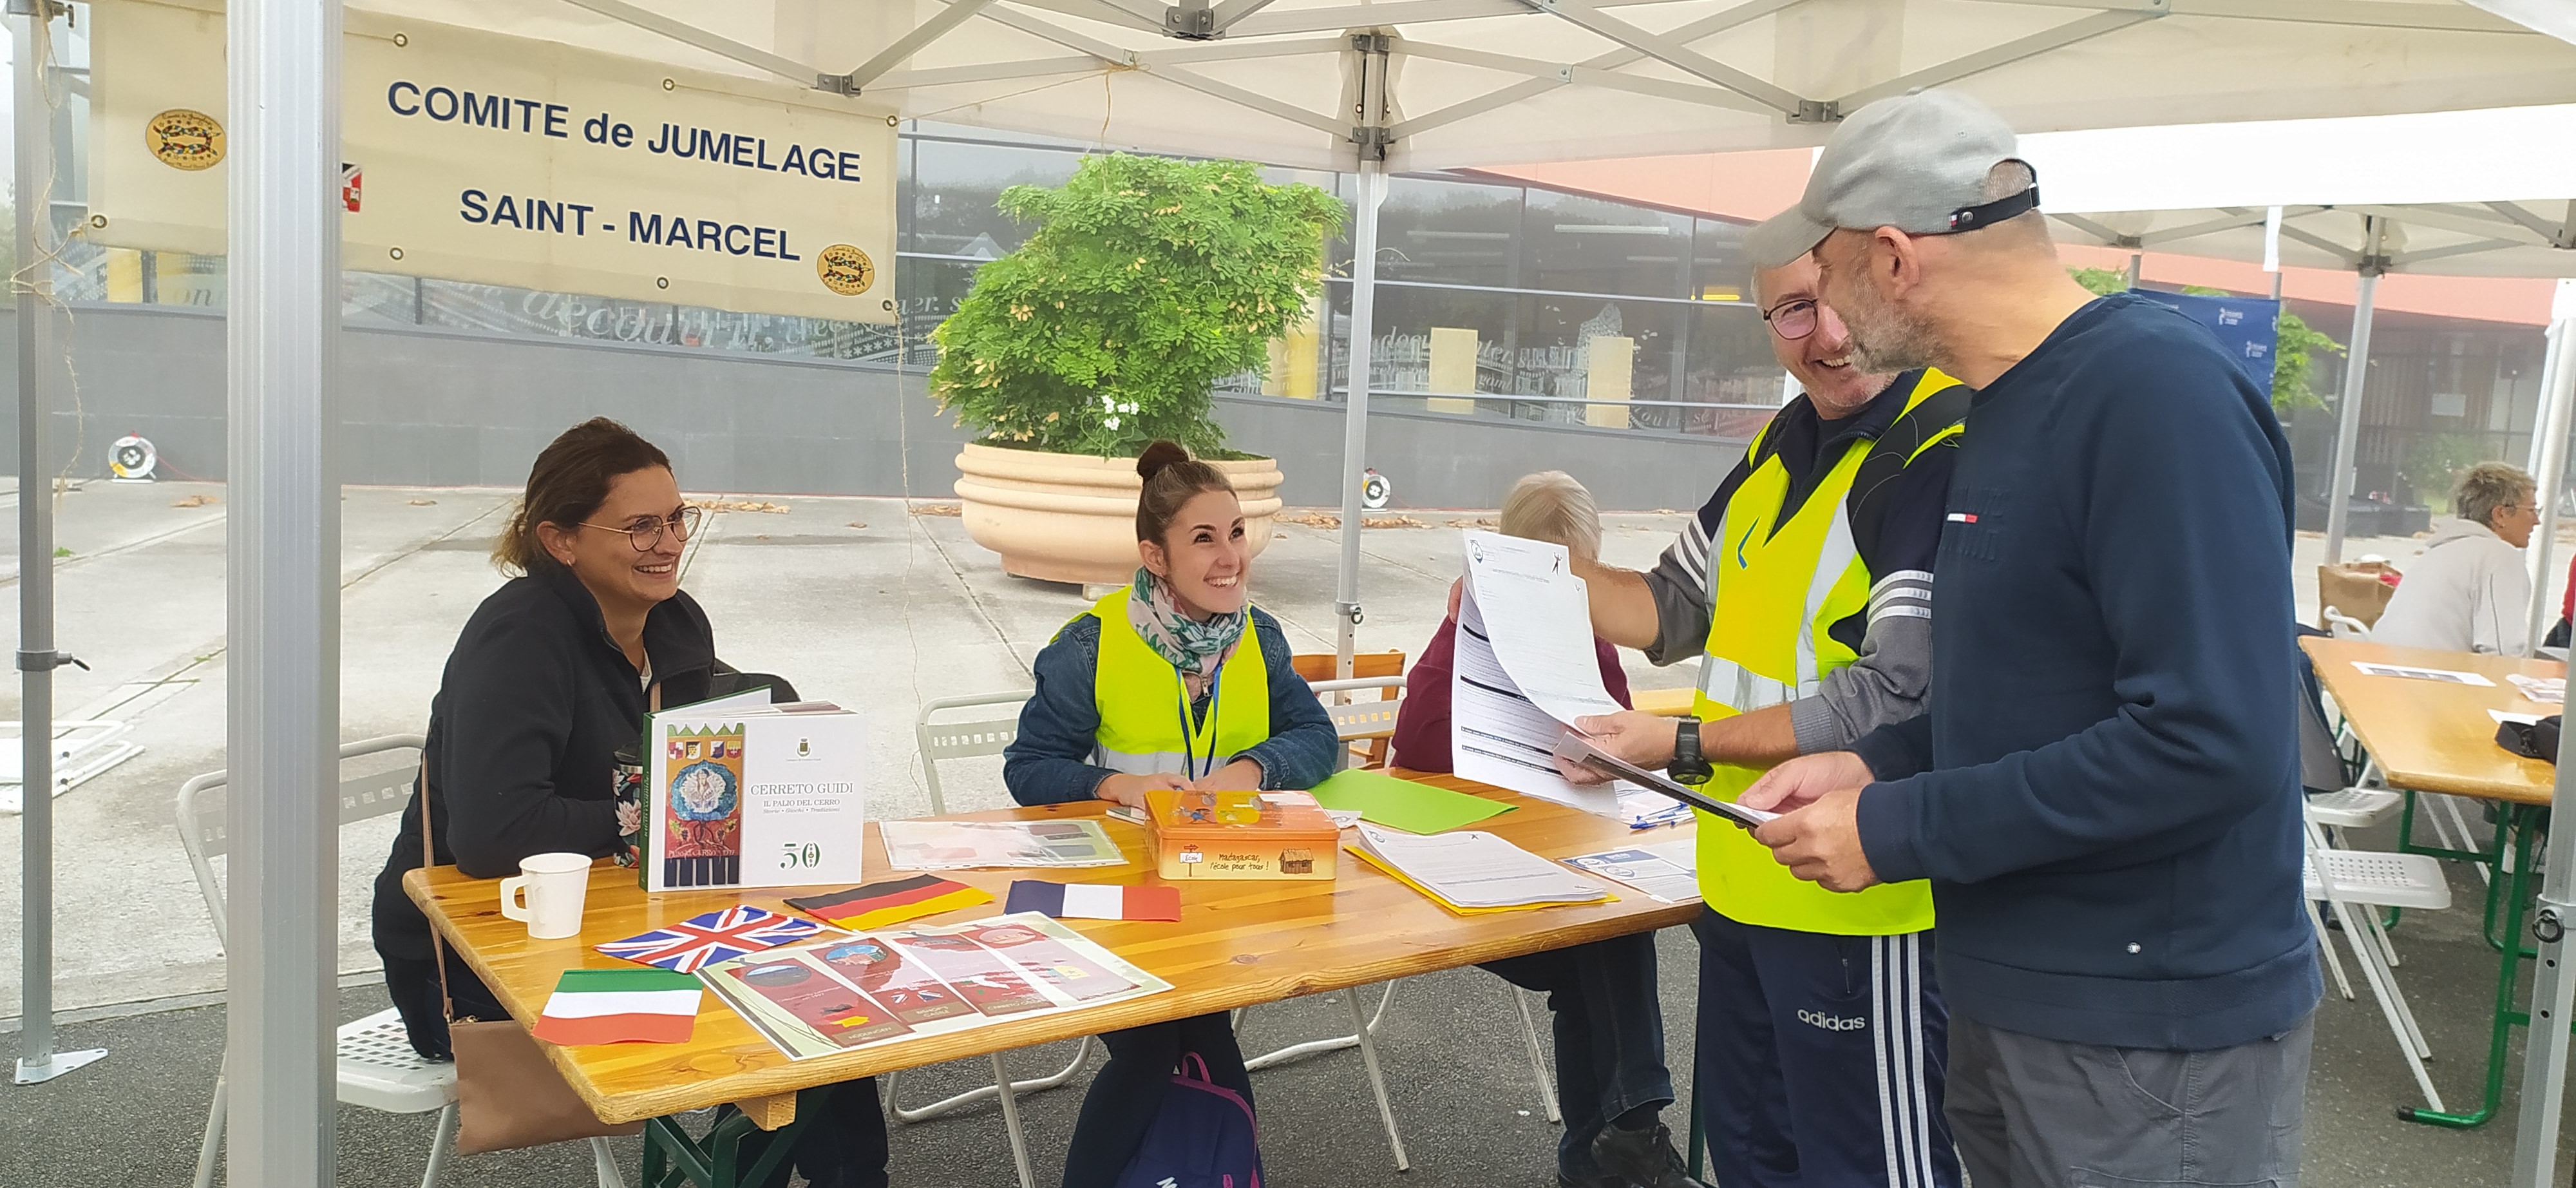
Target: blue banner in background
(2246, 326)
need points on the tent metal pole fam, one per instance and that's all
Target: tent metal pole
(2348, 418)
(1363, 329)
(2557, 410)
(2137, 267)
(37, 343)
(282, 603)
(2550, 358)
(2553, 995)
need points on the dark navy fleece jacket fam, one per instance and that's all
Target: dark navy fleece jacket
(2104, 790)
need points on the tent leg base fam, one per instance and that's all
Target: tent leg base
(33, 1073)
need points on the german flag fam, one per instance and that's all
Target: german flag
(891, 902)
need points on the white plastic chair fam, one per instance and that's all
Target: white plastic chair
(969, 739)
(2359, 879)
(378, 1069)
(2343, 626)
(1361, 724)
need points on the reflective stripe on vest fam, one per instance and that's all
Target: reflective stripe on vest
(1143, 728)
(1775, 591)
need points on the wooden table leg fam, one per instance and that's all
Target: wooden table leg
(2522, 821)
(675, 1159)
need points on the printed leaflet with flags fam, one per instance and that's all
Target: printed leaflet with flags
(616, 1006)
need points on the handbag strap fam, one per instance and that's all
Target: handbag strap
(429, 858)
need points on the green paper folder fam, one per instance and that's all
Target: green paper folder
(1404, 804)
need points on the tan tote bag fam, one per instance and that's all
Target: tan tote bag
(508, 1095)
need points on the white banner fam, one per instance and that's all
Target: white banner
(503, 160)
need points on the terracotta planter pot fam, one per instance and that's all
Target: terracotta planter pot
(1072, 517)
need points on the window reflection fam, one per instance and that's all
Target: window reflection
(1495, 298)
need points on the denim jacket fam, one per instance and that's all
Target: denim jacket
(1050, 762)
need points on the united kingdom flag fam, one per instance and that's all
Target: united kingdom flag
(701, 941)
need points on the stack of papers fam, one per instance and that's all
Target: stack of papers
(965, 845)
(2545, 690)
(1473, 871)
(1669, 871)
(1526, 669)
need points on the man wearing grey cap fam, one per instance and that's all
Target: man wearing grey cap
(2103, 791)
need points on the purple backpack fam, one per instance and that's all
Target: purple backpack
(1202, 1137)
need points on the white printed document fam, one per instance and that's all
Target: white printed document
(1525, 669)
(1472, 869)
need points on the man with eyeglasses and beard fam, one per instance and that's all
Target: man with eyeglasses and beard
(1805, 587)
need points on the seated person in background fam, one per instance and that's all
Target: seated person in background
(1611, 1083)
(1171, 682)
(2468, 591)
(549, 680)
(1549, 506)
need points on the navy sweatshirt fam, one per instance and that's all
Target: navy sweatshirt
(2104, 791)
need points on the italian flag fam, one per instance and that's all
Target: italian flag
(618, 1006)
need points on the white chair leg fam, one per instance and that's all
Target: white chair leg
(2379, 934)
(1538, 1060)
(213, 1144)
(1321, 1046)
(950, 1105)
(2326, 947)
(1361, 1028)
(1011, 1121)
(2383, 986)
(440, 1144)
(604, 1161)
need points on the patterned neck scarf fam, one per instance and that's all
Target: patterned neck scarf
(1193, 647)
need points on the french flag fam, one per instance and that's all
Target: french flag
(1093, 901)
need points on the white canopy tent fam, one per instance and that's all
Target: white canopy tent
(1430, 84)
(1361, 87)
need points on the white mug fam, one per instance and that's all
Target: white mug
(554, 885)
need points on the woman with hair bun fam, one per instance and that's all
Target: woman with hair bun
(1173, 681)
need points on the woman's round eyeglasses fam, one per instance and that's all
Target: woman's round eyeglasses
(1792, 319)
(646, 532)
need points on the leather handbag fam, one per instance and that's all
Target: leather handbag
(508, 1094)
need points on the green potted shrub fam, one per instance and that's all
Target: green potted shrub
(1148, 281)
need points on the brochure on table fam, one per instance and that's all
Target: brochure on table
(742, 793)
(890, 984)
(1526, 669)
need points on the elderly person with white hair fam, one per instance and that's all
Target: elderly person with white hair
(1611, 1081)
(2467, 591)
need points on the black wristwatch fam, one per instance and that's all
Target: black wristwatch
(1688, 765)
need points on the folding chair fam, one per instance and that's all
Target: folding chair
(1366, 727)
(2344, 626)
(2349, 879)
(377, 1067)
(971, 738)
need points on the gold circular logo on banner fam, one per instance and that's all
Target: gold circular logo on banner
(184, 139)
(845, 270)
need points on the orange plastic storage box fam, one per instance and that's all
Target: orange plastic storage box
(1242, 835)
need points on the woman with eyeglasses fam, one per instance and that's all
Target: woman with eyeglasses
(551, 677)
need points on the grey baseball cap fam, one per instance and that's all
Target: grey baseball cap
(1916, 162)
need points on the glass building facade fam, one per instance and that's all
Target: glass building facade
(1545, 305)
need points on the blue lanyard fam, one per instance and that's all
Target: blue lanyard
(1216, 701)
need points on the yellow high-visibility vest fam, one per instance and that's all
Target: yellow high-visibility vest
(1146, 726)
(1775, 589)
